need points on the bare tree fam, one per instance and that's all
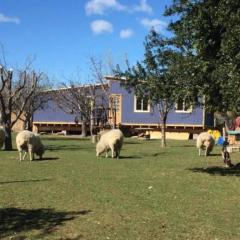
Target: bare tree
(37, 101)
(80, 100)
(98, 70)
(88, 102)
(11, 92)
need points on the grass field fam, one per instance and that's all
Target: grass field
(149, 193)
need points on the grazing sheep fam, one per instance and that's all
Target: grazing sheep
(206, 142)
(113, 140)
(2, 137)
(29, 142)
(99, 135)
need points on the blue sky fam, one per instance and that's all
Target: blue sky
(64, 34)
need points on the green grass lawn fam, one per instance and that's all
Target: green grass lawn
(149, 193)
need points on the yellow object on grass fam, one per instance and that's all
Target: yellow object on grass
(215, 134)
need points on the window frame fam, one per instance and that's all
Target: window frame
(140, 111)
(189, 110)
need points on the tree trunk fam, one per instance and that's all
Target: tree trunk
(91, 128)
(8, 138)
(163, 131)
(29, 124)
(84, 130)
(92, 123)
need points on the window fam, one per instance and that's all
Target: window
(181, 106)
(141, 104)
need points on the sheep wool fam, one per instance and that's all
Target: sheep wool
(110, 140)
(2, 137)
(29, 142)
(99, 135)
(206, 142)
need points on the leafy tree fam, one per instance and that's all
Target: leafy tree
(208, 33)
(155, 77)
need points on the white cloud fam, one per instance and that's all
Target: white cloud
(155, 23)
(6, 19)
(100, 6)
(101, 26)
(143, 7)
(126, 33)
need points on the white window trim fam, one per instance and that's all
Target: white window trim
(140, 111)
(190, 109)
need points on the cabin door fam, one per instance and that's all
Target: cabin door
(115, 109)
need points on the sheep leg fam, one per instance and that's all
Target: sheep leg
(117, 150)
(20, 156)
(199, 152)
(30, 155)
(112, 151)
(25, 153)
(106, 153)
(206, 151)
(117, 154)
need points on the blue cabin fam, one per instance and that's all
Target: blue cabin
(130, 113)
(137, 113)
(61, 113)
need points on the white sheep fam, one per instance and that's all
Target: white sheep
(2, 137)
(29, 142)
(113, 140)
(99, 135)
(206, 142)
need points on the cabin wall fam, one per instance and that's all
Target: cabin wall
(209, 119)
(52, 114)
(152, 117)
(55, 119)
